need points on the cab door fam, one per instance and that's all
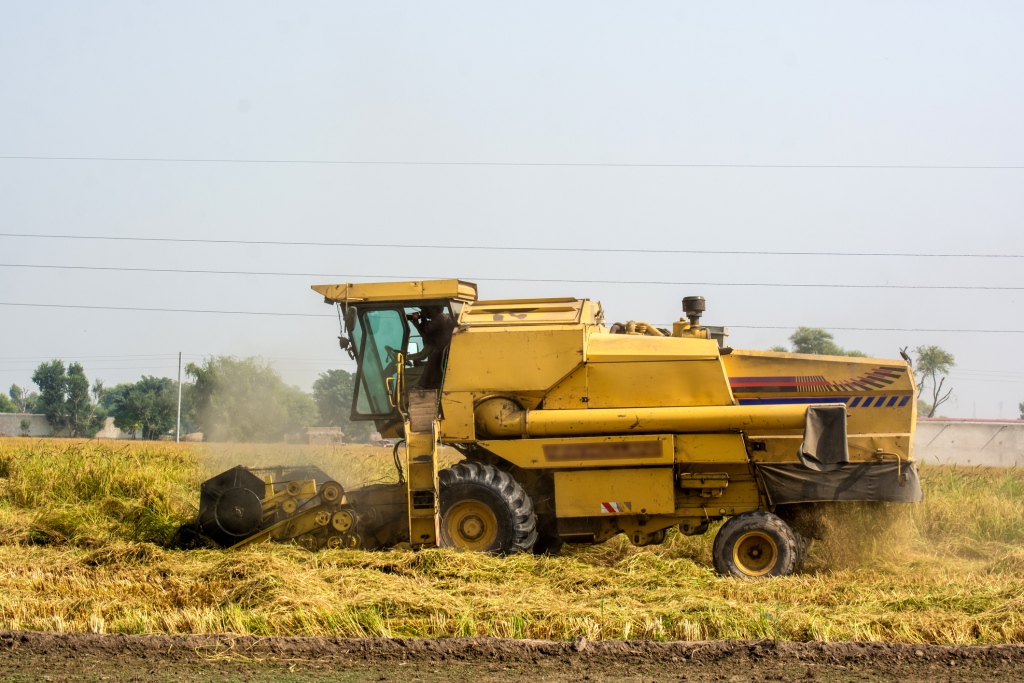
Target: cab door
(379, 336)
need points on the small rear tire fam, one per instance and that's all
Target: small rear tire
(484, 509)
(755, 545)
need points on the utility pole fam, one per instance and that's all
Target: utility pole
(177, 429)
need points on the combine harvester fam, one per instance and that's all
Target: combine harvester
(574, 431)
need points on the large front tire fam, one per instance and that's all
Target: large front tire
(755, 545)
(484, 509)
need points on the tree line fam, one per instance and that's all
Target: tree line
(225, 398)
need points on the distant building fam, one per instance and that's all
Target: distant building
(109, 431)
(11, 424)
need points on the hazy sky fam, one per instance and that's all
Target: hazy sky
(860, 83)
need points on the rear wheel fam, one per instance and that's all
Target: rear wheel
(755, 545)
(484, 509)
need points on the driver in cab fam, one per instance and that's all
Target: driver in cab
(435, 325)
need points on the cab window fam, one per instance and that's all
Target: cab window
(379, 336)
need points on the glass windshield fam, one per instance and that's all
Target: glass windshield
(381, 335)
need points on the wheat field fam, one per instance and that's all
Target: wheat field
(85, 530)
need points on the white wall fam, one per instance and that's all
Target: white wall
(996, 443)
(10, 424)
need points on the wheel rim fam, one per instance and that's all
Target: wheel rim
(755, 553)
(471, 525)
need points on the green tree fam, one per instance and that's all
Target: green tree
(7, 405)
(1021, 407)
(931, 365)
(51, 378)
(112, 400)
(148, 407)
(64, 399)
(816, 341)
(332, 392)
(23, 399)
(246, 400)
(85, 418)
(110, 396)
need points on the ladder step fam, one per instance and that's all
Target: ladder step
(422, 409)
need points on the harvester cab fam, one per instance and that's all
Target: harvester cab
(575, 431)
(398, 334)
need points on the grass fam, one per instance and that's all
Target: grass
(84, 527)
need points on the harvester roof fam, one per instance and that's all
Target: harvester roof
(417, 290)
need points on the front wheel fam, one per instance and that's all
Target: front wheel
(756, 544)
(484, 509)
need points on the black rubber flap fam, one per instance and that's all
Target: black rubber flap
(878, 481)
(824, 448)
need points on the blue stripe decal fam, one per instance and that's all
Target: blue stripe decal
(791, 401)
(853, 402)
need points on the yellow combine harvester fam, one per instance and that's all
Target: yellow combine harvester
(574, 431)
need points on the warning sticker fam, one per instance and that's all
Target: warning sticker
(614, 508)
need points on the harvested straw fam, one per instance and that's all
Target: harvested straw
(84, 528)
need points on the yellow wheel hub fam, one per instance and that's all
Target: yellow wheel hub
(471, 525)
(755, 553)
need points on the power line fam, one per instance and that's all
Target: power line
(467, 247)
(328, 315)
(168, 310)
(190, 271)
(871, 329)
(101, 359)
(959, 378)
(99, 368)
(157, 356)
(518, 164)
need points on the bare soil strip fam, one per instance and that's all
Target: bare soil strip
(35, 656)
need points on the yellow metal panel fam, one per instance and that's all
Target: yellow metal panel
(420, 290)
(878, 392)
(617, 348)
(571, 392)
(457, 416)
(523, 311)
(595, 493)
(710, 448)
(497, 360)
(657, 384)
(600, 451)
(863, 447)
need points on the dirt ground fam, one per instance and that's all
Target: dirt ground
(32, 656)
